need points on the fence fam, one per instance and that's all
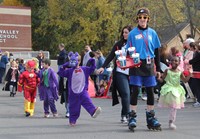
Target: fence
(29, 54)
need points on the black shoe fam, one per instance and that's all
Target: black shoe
(12, 94)
(27, 114)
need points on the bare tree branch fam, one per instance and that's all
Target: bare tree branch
(171, 19)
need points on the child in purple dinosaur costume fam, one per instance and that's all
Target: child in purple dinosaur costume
(77, 86)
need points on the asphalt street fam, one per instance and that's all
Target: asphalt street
(14, 125)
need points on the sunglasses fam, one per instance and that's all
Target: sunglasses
(143, 17)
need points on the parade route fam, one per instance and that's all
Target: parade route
(14, 125)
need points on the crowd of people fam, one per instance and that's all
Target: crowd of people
(165, 74)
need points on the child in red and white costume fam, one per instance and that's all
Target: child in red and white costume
(28, 82)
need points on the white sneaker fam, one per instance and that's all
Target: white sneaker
(46, 115)
(144, 97)
(55, 115)
(97, 112)
(124, 120)
(172, 126)
(67, 115)
(197, 104)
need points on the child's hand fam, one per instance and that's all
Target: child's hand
(186, 73)
(160, 80)
(101, 70)
(158, 75)
(190, 72)
(65, 65)
(37, 70)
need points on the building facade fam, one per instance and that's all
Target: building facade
(15, 29)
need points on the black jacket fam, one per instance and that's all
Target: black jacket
(62, 57)
(63, 89)
(195, 62)
(109, 58)
(9, 75)
(8, 79)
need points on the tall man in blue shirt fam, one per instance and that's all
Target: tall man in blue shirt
(146, 42)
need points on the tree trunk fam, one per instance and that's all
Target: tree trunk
(171, 20)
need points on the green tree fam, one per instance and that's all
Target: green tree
(97, 22)
(89, 22)
(192, 11)
(37, 6)
(171, 19)
(98, 26)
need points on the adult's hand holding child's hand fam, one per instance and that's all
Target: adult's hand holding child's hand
(101, 70)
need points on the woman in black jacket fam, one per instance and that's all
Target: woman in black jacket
(120, 77)
(195, 82)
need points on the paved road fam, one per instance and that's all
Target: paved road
(14, 125)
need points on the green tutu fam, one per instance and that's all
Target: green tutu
(172, 94)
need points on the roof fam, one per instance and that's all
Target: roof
(168, 33)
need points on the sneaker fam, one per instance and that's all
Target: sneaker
(144, 97)
(172, 126)
(197, 104)
(27, 114)
(67, 115)
(97, 112)
(55, 114)
(124, 120)
(46, 115)
(72, 124)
